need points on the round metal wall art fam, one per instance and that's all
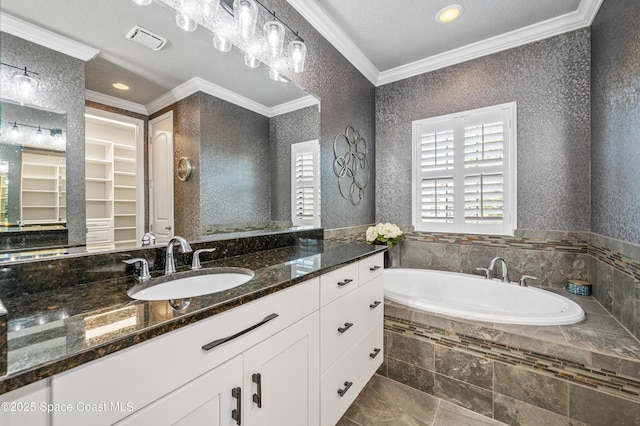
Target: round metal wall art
(351, 165)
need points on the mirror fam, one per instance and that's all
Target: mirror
(157, 76)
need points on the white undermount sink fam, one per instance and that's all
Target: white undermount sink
(182, 285)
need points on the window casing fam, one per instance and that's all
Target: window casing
(464, 172)
(305, 183)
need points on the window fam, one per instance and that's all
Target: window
(305, 183)
(464, 172)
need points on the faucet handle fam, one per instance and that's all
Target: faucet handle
(487, 272)
(144, 267)
(195, 262)
(524, 278)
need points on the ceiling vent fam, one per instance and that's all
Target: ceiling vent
(146, 38)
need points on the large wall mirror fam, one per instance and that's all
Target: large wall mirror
(234, 122)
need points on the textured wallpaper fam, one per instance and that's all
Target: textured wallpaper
(61, 88)
(550, 82)
(615, 144)
(284, 130)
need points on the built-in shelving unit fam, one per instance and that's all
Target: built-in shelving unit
(42, 188)
(3, 198)
(112, 185)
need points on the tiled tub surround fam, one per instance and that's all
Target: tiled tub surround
(519, 374)
(56, 329)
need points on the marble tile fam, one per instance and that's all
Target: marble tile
(605, 323)
(536, 388)
(604, 285)
(346, 422)
(518, 413)
(413, 351)
(626, 367)
(613, 344)
(523, 262)
(463, 394)
(452, 415)
(472, 257)
(557, 267)
(464, 366)
(413, 254)
(384, 402)
(601, 409)
(443, 257)
(410, 375)
(624, 295)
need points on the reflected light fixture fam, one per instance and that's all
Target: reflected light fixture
(25, 86)
(245, 13)
(39, 135)
(449, 13)
(15, 131)
(143, 2)
(221, 43)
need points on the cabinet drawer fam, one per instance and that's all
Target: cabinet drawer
(371, 267)
(345, 377)
(371, 304)
(100, 235)
(145, 372)
(337, 283)
(370, 351)
(336, 335)
(99, 223)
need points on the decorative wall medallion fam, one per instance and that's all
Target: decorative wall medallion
(352, 167)
(185, 169)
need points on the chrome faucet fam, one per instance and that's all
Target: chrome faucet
(505, 271)
(169, 261)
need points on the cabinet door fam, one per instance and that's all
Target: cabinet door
(205, 400)
(282, 377)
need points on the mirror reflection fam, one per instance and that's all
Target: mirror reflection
(235, 124)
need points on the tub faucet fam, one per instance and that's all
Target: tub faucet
(505, 271)
(169, 261)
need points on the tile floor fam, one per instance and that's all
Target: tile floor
(385, 402)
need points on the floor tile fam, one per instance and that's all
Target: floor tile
(452, 415)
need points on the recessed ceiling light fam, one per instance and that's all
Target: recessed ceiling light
(120, 86)
(449, 13)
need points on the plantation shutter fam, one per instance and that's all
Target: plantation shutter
(305, 184)
(464, 172)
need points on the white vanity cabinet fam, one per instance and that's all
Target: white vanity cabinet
(138, 376)
(351, 334)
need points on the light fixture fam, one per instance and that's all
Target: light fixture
(297, 55)
(143, 2)
(245, 13)
(39, 135)
(24, 85)
(221, 43)
(449, 13)
(120, 86)
(187, 13)
(274, 34)
(15, 131)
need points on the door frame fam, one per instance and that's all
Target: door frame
(168, 114)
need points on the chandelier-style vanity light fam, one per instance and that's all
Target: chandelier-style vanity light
(237, 26)
(28, 134)
(24, 85)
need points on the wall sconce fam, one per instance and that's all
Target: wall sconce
(24, 85)
(236, 26)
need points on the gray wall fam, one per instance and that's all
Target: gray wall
(284, 130)
(347, 99)
(61, 88)
(235, 170)
(615, 111)
(550, 82)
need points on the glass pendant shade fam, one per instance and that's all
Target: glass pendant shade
(210, 8)
(39, 135)
(274, 74)
(274, 34)
(25, 86)
(143, 2)
(297, 55)
(15, 131)
(221, 43)
(251, 61)
(184, 22)
(245, 13)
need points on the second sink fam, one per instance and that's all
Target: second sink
(188, 284)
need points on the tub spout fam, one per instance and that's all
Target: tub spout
(505, 271)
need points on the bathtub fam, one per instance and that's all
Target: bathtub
(475, 298)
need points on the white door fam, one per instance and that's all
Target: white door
(281, 382)
(207, 400)
(161, 177)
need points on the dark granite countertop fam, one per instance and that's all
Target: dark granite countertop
(58, 329)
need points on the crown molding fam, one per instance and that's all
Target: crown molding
(321, 21)
(101, 98)
(294, 105)
(25, 30)
(583, 17)
(318, 18)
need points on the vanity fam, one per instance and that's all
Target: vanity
(294, 345)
